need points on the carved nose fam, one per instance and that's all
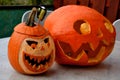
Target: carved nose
(99, 34)
(33, 46)
(42, 48)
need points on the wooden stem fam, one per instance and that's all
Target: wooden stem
(30, 21)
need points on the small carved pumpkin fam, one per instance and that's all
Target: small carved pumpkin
(82, 35)
(31, 48)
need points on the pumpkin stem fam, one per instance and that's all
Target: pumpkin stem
(30, 21)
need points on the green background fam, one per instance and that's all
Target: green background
(11, 12)
(10, 17)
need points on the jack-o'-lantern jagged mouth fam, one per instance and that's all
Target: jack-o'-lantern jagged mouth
(38, 63)
(87, 49)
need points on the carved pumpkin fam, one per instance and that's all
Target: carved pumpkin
(82, 35)
(31, 48)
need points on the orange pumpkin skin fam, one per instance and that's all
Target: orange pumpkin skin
(21, 53)
(82, 35)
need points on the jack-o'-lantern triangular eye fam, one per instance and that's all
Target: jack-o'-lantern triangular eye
(46, 40)
(82, 27)
(32, 44)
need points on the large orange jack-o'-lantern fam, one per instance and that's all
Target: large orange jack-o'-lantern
(82, 35)
(31, 48)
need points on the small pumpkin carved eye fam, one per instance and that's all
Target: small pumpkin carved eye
(32, 44)
(82, 27)
(46, 40)
(109, 26)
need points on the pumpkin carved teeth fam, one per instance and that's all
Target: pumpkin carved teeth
(37, 63)
(86, 47)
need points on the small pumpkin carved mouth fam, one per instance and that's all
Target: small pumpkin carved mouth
(37, 63)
